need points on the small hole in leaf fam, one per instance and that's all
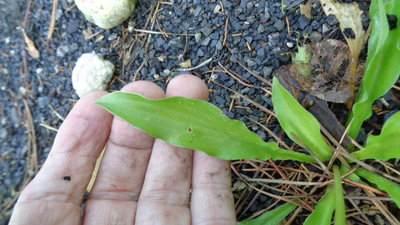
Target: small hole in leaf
(349, 33)
(392, 20)
(189, 130)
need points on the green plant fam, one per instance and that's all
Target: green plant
(201, 126)
(273, 217)
(382, 69)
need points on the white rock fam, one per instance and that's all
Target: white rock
(106, 13)
(90, 73)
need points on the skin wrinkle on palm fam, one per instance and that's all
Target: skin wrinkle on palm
(162, 173)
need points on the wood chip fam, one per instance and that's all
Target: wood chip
(30, 46)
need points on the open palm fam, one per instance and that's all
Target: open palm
(140, 181)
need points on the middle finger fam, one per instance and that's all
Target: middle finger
(114, 196)
(165, 194)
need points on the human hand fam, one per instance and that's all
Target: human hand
(141, 180)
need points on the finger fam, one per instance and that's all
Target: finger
(165, 194)
(212, 199)
(55, 195)
(118, 184)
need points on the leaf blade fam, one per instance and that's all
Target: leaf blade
(323, 211)
(382, 63)
(340, 208)
(196, 125)
(273, 217)
(298, 123)
(384, 146)
(383, 184)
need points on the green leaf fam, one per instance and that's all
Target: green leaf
(322, 214)
(382, 69)
(300, 125)
(340, 207)
(382, 183)
(272, 217)
(384, 146)
(301, 60)
(194, 124)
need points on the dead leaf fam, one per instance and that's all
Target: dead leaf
(305, 10)
(186, 64)
(330, 75)
(30, 46)
(239, 185)
(99, 38)
(88, 33)
(349, 16)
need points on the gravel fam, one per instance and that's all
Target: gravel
(257, 37)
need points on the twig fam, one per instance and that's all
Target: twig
(49, 127)
(269, 112)
(226, 31)
(33, 156)
(254, 74)
(360, 212)
(196, 67)
(52, 20)
(161, 33)
(275, 181)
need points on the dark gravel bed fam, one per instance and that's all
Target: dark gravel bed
(36, 93)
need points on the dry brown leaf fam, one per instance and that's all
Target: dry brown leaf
(88, 33)
(30, 46)
(349, 16)
(330, 75)
(305, 9)
(186, 64)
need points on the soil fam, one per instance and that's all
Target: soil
(230, 40)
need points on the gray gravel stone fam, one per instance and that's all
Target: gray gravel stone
(219, 45)
(279, 25)
(331, 20)
(206, 31)
(206, 41)
(325, 28)
(315, 36)
(43, 101)
(303, 22)
(200, 53)
(250, 63)
(15, 117)
(62, 51)
(267, 71)
(260, 29)
(273, 39)
(3, 133)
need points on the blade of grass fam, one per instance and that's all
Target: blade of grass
(389, 187)
(322, 214)
(273, 217)
(340, 207)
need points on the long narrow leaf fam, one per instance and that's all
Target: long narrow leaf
(382, 68)
(194, 124)
(272, 217)
(383, 184)
(300, 125)
(322, 215)
(340, 207)
(384, 146)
